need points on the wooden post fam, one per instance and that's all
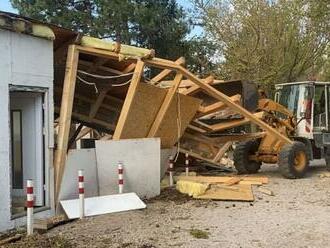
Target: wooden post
(165, 106)
(128, 100)
(65, 115)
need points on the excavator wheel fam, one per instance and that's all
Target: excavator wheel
(327, 158)
(293, 160)
(241, 155)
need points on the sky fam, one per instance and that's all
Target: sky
(6, 6)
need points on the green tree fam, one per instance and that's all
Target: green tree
(268, 41)
(161, 25)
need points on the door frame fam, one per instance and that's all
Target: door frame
(46, 155)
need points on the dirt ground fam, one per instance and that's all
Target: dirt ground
(297, 216)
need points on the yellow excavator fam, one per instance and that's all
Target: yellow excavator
(300, 112)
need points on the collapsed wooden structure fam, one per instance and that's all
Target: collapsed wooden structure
(103, 86)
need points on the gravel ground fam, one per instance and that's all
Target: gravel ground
(297, 216)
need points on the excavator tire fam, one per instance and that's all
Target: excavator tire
(293, 160)
(327, 158)
(241, 155)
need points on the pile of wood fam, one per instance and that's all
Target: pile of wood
(235, 188)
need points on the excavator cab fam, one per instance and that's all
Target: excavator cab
(310, 104)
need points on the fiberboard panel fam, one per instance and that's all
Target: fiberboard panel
(145, 106)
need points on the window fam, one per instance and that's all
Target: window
(16, 147)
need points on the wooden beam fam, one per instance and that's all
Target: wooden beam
(165, 106)
(222, 151)
(205, 110)
(90, 100)
(103, 68)
(97, 63)
(138, 72)
(129, 68)
(234, 123)
(65, 116)
(86, 119)
(198, 156)
(97, 104)
(239, 137)
(166, 72)
(83, 133)
(74, 136)
(194, 88)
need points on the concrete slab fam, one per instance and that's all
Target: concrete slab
(81, 159)
(141, 160)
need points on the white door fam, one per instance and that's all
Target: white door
(27, 143)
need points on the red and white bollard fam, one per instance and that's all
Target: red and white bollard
(29, 207)
(171, 169)
(81, 194)
(120, 178)
(187, 164)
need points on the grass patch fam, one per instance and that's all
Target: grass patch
(199, 234)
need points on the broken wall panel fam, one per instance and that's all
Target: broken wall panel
(145, 106)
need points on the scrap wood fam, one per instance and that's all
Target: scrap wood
(14, 238)
(266, 191)
(220, 179)
(326, 174)
(232, 181)
(233, 193)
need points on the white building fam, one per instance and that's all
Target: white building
(26, 118)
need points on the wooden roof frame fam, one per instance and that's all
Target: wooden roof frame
(168, 66)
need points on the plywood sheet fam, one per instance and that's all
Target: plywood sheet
(182, 108)
(220, 179)
(145, 106)
(232, 193)
(103, 205)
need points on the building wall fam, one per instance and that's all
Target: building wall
(24, 61)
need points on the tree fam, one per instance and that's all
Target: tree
(161, 25)
(268, 41)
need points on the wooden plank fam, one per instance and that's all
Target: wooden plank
(205, 110)
(165, 106)
(194, 88)
(128, 100)
(266, 191)
(65, 115)
(85, 118)
(129, 68)
(223, 179)
(232, 181)
(229, 193)
(166, 72)
(97, 63)
(234, 123)
(198, 156)
(97, 104)
(83, 133)
(222, 151)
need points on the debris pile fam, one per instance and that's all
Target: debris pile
(221, 188)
